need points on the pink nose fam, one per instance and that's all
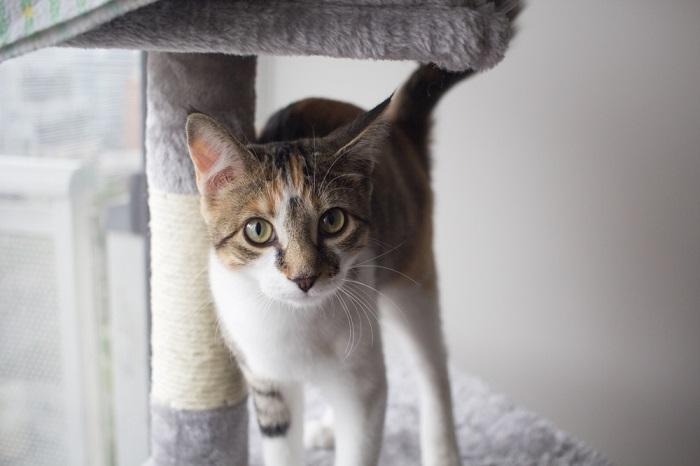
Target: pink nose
(305, 283)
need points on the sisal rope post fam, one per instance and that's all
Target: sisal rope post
(198, 409)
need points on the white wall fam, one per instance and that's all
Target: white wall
(568, 216)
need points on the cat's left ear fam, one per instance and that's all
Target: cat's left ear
(217, 156)
(361, 142)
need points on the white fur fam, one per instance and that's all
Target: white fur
(318, 434)
(289, 449)
(414, 315)
(329, 339)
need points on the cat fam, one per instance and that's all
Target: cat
(317, 228)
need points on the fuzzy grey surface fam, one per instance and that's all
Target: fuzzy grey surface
(491, 429)
(222, 86)
(215, 437)
(453, 34)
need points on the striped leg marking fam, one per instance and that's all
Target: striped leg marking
(274, 417)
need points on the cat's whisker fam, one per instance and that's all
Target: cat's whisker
(355, 306)
(382, 254)
(391, 301)
(381, 244)
(358, 333)
(258, 159)
(343, 154)
(314, 155)
(348, 346)
(369, 266)
(362, 294)
(342, 175)
(259, 184)
(354, 332)
(368, 311)
(364, 308)
(345, 175)
(338, 188)
(346, 318)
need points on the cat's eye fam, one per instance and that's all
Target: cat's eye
(259, 231)
(332, 222)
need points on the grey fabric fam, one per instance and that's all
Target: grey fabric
(216, 437)
(219, 85)
(453, 34)
(491, 429)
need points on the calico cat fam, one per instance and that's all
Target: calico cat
(316, 229)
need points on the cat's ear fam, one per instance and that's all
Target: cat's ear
(362, 141)
(217, 156)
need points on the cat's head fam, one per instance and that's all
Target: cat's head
(293, 216)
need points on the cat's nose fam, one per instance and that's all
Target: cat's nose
(305, 283)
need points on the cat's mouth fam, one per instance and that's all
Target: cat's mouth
(304, 302)
(315, 297)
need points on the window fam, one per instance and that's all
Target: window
(70, 153)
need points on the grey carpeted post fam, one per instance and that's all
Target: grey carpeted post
(198, 409)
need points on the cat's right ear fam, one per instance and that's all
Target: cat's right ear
(217, 156)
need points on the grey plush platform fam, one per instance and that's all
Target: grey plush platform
(491, 429)
(454, 34)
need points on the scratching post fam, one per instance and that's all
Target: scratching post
(198, 410)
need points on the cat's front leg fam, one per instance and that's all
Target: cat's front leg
(414, 312)
(358, 400)
(279, 408)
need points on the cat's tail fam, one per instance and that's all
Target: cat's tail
(412, 105)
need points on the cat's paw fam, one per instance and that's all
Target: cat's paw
(318, 435)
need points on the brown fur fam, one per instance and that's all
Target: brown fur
(373, 165)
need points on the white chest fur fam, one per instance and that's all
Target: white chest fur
(277, 340)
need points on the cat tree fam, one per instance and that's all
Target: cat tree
(201, 55)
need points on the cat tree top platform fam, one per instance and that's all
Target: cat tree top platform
(454, 34)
